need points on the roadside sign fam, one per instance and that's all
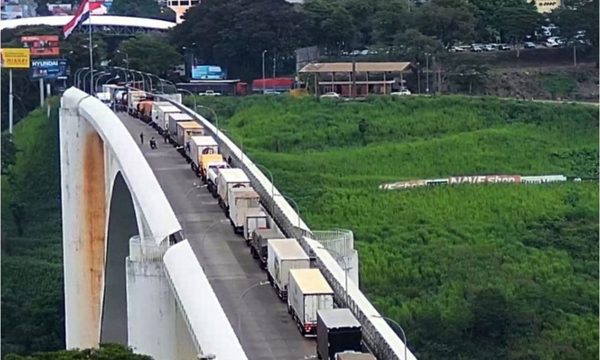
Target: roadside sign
(15, 58)
(42, 45)
(49, 69)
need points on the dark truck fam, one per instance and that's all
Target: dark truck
(258, 243)
(337, 331)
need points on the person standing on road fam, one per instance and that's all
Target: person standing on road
(152, 143)
(166, 136)
(142, 138)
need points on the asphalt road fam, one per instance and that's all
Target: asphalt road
(258, 317)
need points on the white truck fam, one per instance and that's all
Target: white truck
(256, 219)
(162, 121)
(198, 146)
(239, 201)
(212, 176)
(133, 98)
(227, 180)
(155, 106)
(175, 118)
(308, 292)
(185, 130)
(283, 255)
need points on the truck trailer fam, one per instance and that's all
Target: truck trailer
(256, 219)
(145, 110)
(228, 179)
(133, 98)
(239, 201)
(337, 331)
(155, 106)
(162, 121)
(259, 243)
(185, 130)
(308, 292)
(198, 146)
(174, 119)
(283, 255)
(205, 161)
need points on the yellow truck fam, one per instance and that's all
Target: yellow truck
(205, 161)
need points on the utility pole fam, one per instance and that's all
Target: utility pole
(353, 92)
(263, 71)
(274, 66)
(10, 102)
(427, 72)
(41, 81)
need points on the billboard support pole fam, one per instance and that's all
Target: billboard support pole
(10, 102)
(41, 92)
(91, 49)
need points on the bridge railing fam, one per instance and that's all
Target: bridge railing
(378, 335)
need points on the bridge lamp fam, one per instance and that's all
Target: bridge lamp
(192, 94)
(399, 327)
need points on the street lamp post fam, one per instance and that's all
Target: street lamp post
(143, 80)
(162, 88)
(346, 267)
(263, 70)
(77, 73)
(91, 73)
(191, 93)
(100, 75)
(126, 57)
(427, 72)
(401, 330)
(272, 185)
(295, 206)
(214, 113)
(241, 299)
(91, 57)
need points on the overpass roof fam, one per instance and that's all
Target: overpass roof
(99, 20)
(360, 67)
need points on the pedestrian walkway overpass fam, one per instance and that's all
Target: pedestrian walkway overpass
(151, 262)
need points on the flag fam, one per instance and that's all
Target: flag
(82, 14)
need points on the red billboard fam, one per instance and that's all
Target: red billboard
(42, 45)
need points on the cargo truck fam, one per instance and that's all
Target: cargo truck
(256, 219)
(161, 120)
(337, 331)
(205, 161)
(155, 106)
(283, 255)
(259, 244)
(227, 180)
(308, 292)
(145, 110)
(212, 175)
(174, 119)
(198, 146)
(133, 98)
(239, 201)
(353, 355)
(185, 130)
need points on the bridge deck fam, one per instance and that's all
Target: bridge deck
(259, 319)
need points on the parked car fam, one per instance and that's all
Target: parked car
(330, 95)
(455, 49)
(401, 92)
(476, 48)
(488, 47)
(272, 92)
(209, 93)
(529, 45)
(503, 47)
(552, 43)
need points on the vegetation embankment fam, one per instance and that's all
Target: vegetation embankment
(32, 285)
(471, 272)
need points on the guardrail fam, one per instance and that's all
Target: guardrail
(378, 335)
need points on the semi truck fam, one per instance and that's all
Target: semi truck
(308, 292)
(174, 119)
(155, 106)
(205, 161)
(227, 180)
(256, 219)
(161, 121)
(133, 98)
(240, 200)
(259, 244)
(283, 255)
(198, 146)
(337, 331)
(185, 130)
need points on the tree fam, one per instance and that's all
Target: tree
(389, 19)
(141, 8)
(106, 351)
(233, 34)
(514, 23)
(414, 45)
(578, 22)
(448, 20)
(9, 152)
(487, 27)
(329, 24)
(150, 53)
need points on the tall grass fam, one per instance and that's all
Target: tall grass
(471, 272)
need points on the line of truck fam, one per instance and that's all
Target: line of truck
(309, 298)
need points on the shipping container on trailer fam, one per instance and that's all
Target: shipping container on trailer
(185, 130)
(145, 110)
(162, 122)
(255, 219)
(212, 176)
(174, 119)
(283, 255)
(228, 179)
(155, 106)
(337, 331)
(353, 355)
(198, 146)
(259, 243)
(205, 161)
(308, 292)
(240, 200)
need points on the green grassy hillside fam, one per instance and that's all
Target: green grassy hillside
(471, 272)
(32, 287)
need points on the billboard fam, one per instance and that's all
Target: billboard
(42, 45)
(60, 9)
(50, 69)
(208, 72)
(14, 58)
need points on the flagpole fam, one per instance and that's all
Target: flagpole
(91, 50)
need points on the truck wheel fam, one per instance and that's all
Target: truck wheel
(291, 312)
